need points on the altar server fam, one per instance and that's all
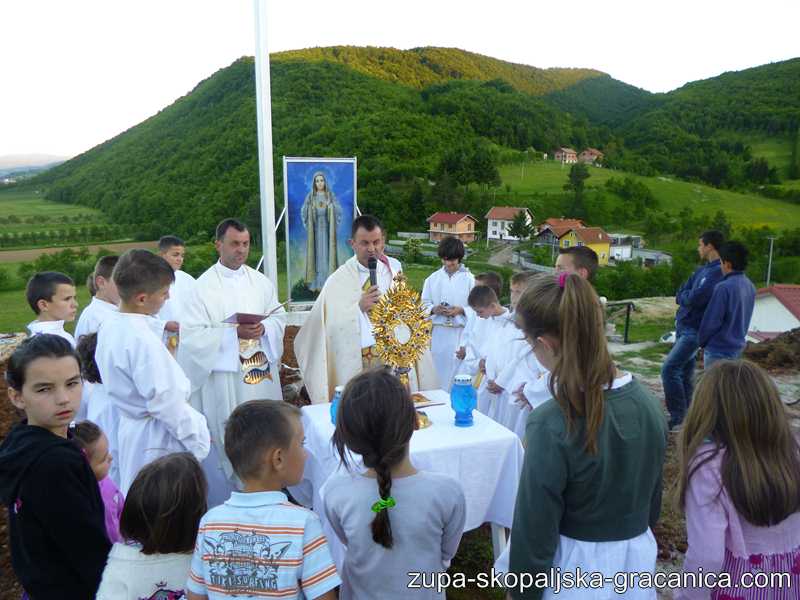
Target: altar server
(491, 332)
(51, 295)
(140, 376)
(173, 250)
(105, 301)
(467, 353)
(212, 352)
(445, 294)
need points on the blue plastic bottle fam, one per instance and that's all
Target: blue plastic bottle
(337, 395)
(463, 400)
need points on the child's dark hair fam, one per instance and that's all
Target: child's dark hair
(42, 286)
(164, 505)
(481, 296)
(85, 434)
(104, 267)
(714, 237)
(491, 279)
(734, 253)
(140, 271)
(45, 345)
(451, 248)
(376, 419)
(168, 241)
(583, 257)
(255, 427)
(87, 345)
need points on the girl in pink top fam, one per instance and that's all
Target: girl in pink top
(94, 444)
(740, 488)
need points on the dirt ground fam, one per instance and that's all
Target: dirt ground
(34, 253)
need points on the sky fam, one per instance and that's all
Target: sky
(74, 74)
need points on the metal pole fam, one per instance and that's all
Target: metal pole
(264, 127)
(769, 264)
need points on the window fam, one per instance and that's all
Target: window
(580, 244)
(566, 243)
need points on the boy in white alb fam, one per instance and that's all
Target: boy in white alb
(141, 377)
(105, 301)
(445, 294)
(492, 336)
(51, 295)
(468, 355)
(173, 250)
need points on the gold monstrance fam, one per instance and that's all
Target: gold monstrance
(401, 327)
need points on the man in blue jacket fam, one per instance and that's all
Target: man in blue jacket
(677, 373)
(727, 318)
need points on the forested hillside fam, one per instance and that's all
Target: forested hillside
(429, 115)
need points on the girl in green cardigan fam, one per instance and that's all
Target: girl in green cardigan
(590, 489)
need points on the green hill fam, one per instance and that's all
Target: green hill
(406, 114)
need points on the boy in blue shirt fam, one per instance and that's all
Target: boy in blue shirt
(257, 544)
(727, 318)
(677, 373)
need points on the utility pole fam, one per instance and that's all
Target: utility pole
(769, 264)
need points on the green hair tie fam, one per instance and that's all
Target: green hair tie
(383, 504)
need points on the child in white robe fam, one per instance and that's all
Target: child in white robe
(141, 377)
(468, 355)
(492, 331)
(51, 296)
(173, 249)
(445, 294)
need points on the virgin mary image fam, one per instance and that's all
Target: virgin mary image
(321, 214)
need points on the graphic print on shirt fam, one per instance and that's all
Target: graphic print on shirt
(162, 594)
(244, 562)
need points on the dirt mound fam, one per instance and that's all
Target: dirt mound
(782, 352)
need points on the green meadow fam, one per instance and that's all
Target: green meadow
(34, 213)
(672, 194)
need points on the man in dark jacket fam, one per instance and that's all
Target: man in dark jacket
(56, 518)
(727, 318)
(677, 372)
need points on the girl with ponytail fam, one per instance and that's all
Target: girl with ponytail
(393, 518)
(591, 480)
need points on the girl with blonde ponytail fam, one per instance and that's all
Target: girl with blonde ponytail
(393, 518)
(591, 481)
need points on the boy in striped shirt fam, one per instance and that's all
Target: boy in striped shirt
(257, 544)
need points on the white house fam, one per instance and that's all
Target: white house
(499, 220)
(776, 310)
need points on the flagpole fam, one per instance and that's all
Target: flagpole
(265, 164)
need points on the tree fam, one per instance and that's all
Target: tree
(578, 174)
(520, 228)
(720, 223)
(411, 251)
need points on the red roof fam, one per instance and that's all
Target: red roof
(503, 213)
(450, 218)
(592, 235)
(788, 295)
(564, 222)
(568, 150)
(593, 151)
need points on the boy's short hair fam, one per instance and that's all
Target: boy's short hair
(86, 347)
(367, 222)
(42, 286)
(491, 279)
(90, 284)
(735, 253)
(713, 237)
(44, 345)
(223, 227)
(104, 267)
(451, 248)
(168, 241)
(255, 427)
(522, 277)
(140, 271)
(583, 257)
(482, 296)
(164, 505)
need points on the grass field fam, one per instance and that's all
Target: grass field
(26, 204)
(672, 194)
(777, 151)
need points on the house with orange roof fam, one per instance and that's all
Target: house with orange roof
(552, 229)
(776, 310)
(499, 219)
(452, 224)
(591, 156)
(592, 237)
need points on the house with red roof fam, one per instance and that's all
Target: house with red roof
(776, 310)
(499, 219)
(591, 156)
(452, 224)
(566, 155)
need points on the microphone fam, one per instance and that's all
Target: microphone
(372, 265)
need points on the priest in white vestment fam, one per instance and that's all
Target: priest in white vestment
(212, 353)
(336, 341)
